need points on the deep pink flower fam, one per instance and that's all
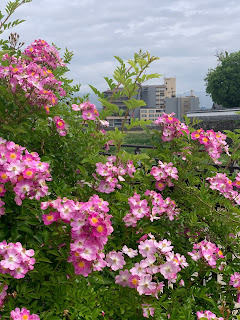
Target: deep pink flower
(133, 281)
(50, 217)
(100, 229)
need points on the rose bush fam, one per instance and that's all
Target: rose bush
(84, 235)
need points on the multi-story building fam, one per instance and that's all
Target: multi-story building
(116, 120)
(153, 95)
(155, 98)
(170, 87)
(150, 114)
(119, 101)
(181, 105)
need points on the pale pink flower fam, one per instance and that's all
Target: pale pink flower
(147, 248)
(169, 270)
(164, 246)
(115, 260)
(145, 284)
(138, 270)
(122, 278)
(147, 310)
(130, 252)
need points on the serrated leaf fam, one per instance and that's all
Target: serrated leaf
(43, 259)
(26, 230)
(110, 106)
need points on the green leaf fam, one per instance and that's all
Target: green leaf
(98, 93)
(110, 106)
(153, 76)
(38, 238)
(138, 123)
(26, 230)
(133, 104)
(43, 259)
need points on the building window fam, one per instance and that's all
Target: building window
(151, 111)
(143, 111)
(144, 115)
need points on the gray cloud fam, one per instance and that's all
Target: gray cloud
(185, 34)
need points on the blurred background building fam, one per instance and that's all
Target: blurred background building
(158, 99)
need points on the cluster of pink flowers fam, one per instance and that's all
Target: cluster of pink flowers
(3, 294)
(214, 142)
(235, 282)
(24, 170)
(172, 127)
(60, 126)
(88, 111)
(15, 259)
(90, 228)
(161, 206)
(224, 185)
(37, 81)
(41, 51)
(138, 210)
(208, 251)
(208, 315)
(23, 314)
(141, 208)
(163, 173)
(112, 172)
(158, 258)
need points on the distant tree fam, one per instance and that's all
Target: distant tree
(223, 82)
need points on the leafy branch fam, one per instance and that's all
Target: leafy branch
(10, 9)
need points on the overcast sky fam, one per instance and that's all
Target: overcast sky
(185, 34)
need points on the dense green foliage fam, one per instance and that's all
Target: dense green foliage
(222, 83)
(52, 289)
